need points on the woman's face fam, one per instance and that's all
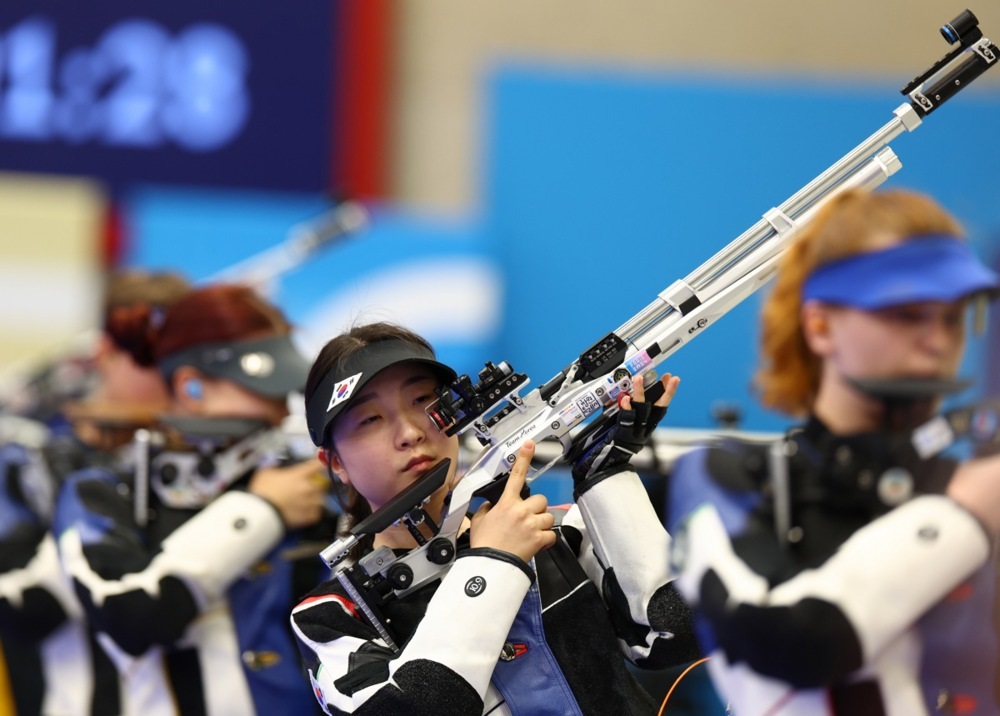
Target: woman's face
(384, 441)
(916, 340)
(125, 382)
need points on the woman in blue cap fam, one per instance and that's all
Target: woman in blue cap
(844, 568)
(181, 555)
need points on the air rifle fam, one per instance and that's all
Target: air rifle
(588, 388)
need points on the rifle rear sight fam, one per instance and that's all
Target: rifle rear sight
(971, 56)
(461, 402)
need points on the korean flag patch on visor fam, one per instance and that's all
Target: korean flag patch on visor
(343, 390)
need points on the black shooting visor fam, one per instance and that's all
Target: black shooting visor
(270, 367)
(346, 379)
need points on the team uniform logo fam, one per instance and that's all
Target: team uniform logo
(513, 650)
(342, 391)
(317, 689)
(984, 424)
(475, 586)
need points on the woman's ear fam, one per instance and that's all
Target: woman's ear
(333, 465)
(815, 317)
(105, 348)
(188, 387)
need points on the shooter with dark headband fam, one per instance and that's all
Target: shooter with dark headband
(538, 610)
(184, 556)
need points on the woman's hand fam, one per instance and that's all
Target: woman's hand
(298, 491)
(976, 487)
(520, 527)
(637, 419)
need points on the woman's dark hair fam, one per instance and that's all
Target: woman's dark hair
(333, 355)
(134, 302)
(217, 314)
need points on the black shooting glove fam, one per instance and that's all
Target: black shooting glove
(611, 449)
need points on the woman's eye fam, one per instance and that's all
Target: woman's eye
(367, 421)
(904, 315)
(908, 316)
(420, 399)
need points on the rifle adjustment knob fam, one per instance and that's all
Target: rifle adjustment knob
(440, 551)
(400, 576)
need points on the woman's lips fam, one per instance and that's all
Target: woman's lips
(418, 463)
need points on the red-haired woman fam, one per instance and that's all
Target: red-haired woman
(55, 670)
(845, 569)
(180, 559)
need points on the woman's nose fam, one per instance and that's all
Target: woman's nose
(411, 431)
(940, 333)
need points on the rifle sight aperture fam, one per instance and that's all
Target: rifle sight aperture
(964, 29)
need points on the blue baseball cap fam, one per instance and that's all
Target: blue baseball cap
(932, 268)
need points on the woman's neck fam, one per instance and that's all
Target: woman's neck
(845, 410)
(399, 537)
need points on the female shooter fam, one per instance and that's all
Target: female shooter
(179, 558)
(55, 667)
(843, 570)
(534, 613)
